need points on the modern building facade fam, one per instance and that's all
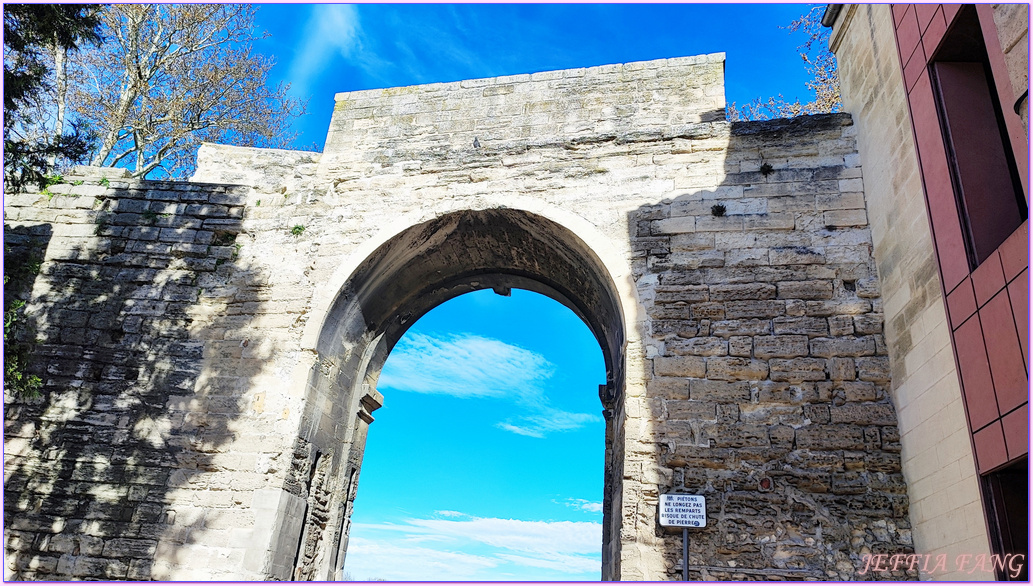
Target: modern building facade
(939, 94)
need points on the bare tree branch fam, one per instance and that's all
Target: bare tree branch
(820, 63)
(172, 76)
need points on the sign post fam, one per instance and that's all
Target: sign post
(683, 510)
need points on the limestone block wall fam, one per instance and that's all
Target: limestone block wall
(946, 510)
(770, 376)
(155, 445)
(232, 360)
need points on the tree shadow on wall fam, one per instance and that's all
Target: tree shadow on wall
(771, 387)
(139, 355)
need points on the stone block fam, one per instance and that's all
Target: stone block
(719, 391)
(687, 294)
(830, 437)
(684, 328)
(769, 221)
(840, 201)
(796, 255)
(738, 292)
(797, 370)
(808, 326)
(668, 388)
(805, 290)
(817, 413)
(845, 218)
(708, 311)
(868, 324)
(702, 346)
(740, 346)
(855, 391)
(840, 369)
(736, 368)
(746, 257)
(841, 325)
(740, 327)
(788, 346)
(739, 435)
(875, 369)
(693, 366)
(829, 347)
(692, 410)
(837, 307)
(133, 548)
(864, 414)
(753, 309)
(681, 225)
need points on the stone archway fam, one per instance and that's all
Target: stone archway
(406, 276)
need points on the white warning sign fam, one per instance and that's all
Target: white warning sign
(683, 510)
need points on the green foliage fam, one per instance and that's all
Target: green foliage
(21, 265)
(16, 355)
(297, 230)
(30, 31)
(104, 182)
(48, 182)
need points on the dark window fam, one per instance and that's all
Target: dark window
(1006, 494)
(983, 171)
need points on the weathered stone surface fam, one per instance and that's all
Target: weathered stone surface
(687, 366)
(779, 346)
(732, 368)
(797, 369)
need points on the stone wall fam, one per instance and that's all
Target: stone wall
(211, 351)
(946, 511)
(770, 378)
(131, 463)
(1012, 22)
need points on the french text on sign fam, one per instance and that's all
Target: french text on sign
(683, 510)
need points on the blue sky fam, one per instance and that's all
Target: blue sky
(323, 49)
(486, 461)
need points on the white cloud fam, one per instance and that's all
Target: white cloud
(381, 559)
(491, 548)
(332, 31)
(567, 564)
(539, 425)
(465, 365)
(540, 537)
(585, 505)
(470, 366)
(450, 514)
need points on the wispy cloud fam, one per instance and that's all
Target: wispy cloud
(537, 537)
(470, 366)
(545, 423)
(584, 505)
(381, 559)
(506, 547)
(332, 31)
(465, 366)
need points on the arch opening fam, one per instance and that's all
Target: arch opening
(490, 427)
(414, 271)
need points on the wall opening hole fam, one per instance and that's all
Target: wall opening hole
(486, 460)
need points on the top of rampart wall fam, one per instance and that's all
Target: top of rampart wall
(569, 105)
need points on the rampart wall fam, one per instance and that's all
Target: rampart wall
(194, 425)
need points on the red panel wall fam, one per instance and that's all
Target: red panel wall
(988, 307)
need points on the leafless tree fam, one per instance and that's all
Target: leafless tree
(170, 76)
(821, 66)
